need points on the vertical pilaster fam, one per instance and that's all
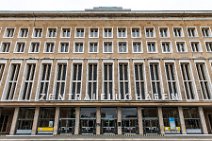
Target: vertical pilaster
(14, 121)
(182, 121)
(35, 121)
(160, 115)
(119, 121)
(77, 120)
(140, 121)
(202, 119)
(98, 120)
(56, 120)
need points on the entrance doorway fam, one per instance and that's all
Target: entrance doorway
(150, 121)
(108, 121)
(6, 115)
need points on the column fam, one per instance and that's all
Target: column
(202, 119)
(13, 125)
(140, 121)
(160, 115)
(182, 121)
(56, 120)
(119, 121)
(98, 121)
(35, 121)
(77, 120)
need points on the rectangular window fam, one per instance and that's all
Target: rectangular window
(94, 33)
(23, 32)
(64, 47)
(195, 46)
(20, 47)
(178, 32)
(44, 81)
(60, 81)
(150, 32)
(163, 32)
(124, 81)
(34, 47)
(139, 81)
(187, 80)
(151, 47)
(12, 81)
(49, 48)
(93, 47)
(181, 47)
(37, 32)
(108, 82)
(172, 82)
(108, 33)
(28, 82)
(203, 79)
(192, 32)
(155, 80)
(80, 33)
(206, 32)
(166, 48)
(137, 47)
(9, 32)
(79, 47)
(92, 82)
(66, 33)
(122, 47)
(76, 81)
(108, 47)
(52, 32)
(5, 47)
(122, 32)
(208, 46)
(2, 66)
(136, 33)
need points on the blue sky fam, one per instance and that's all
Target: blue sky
(82, 4)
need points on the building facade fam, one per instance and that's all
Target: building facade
(106, 71)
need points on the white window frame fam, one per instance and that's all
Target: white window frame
(154, 32)
(156, 49)
(47, 32)
(182, 32)
(75, 35)
(210, 34)
(199, 43)
(141, 43)
(5, 65)
(71, 82)
(195, 32)
(104, 32)
(107, 42)
(59, 46)
(113, 80)
(132, 32)
(23, 79)
(20, 32)
(34, 32)
(90, 32)
(30, 45)
(196, 96)
(170, 45)
(97, 46)
(185, 45)
(61, 32)
(14, 51)
(164, 27)
(82, 46)
(126, 46)
(118, 32)
(9, 47)
(45, 45)
(207, 41)
(6, 32)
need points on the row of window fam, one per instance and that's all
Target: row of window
(93, 47)
(108, 78)
(150, 32)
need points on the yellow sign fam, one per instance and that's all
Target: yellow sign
(45, 129)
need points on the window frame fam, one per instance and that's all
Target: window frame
(10, 42)
(141, 43)
(170, 45)
(185, 45)
(156, 49)
(103, 33)
(195, 32)
(47, 32)
(107, 42)
(20, 32)
(124, 27)
(5, 31)
(75, 34)
(61, 32)
(30, 45)
(182, 32)
(89, 42)
(45, 45)
(210, 34)
(164, 27)
(59, 47)
(119, 46)
(15, 47)
(154, 32)
(136, 27)
(42, 30)
(90, 32)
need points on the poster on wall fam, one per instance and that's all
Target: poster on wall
(172, 123)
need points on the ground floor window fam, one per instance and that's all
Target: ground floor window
(150, 121)
(192, 120)
(88, 120)
(6, 115)
(129, 121)
(171, 120)
(67, 121)
(46, 121)
(25, 120)
(108, 121)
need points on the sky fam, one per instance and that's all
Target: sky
(34, 5)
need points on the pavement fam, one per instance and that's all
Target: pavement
(194, 137)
